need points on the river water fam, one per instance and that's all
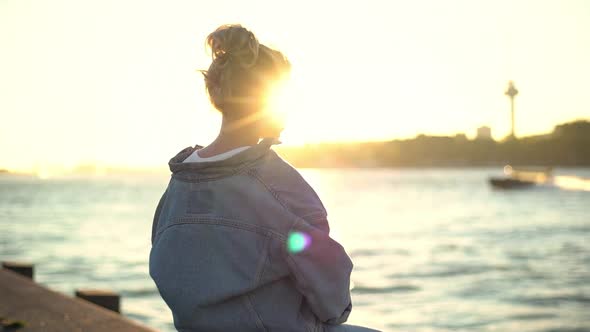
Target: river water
(434, 249)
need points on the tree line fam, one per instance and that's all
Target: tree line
(568, 145)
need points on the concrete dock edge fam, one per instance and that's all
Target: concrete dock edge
(40, 309)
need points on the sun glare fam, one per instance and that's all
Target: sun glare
(282, 104)
(288, 101)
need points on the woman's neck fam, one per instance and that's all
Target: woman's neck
(230, 137)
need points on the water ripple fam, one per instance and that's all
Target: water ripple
(532, 316)
(384, 290)
(553, 300)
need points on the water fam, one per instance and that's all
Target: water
(434, 250)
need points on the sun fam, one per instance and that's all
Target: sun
(280, 99)
(285, 104)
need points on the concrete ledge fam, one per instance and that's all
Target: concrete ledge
(24, 269)
(103, 298)
(44, 310)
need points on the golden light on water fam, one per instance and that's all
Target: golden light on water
(575, 183)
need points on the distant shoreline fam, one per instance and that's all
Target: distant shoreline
(568, 146)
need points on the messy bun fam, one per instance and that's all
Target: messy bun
(233, 43)
(241, 69)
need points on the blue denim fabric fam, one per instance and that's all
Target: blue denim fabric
(219, 252)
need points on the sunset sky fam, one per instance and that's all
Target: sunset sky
(115, 82)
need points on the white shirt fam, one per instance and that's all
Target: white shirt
(194, 157)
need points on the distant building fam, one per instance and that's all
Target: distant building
(484, 133)
(579, 128)
(460, 137)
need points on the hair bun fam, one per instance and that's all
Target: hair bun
(233, 44)
(242, 70)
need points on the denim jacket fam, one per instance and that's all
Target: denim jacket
(243, 244)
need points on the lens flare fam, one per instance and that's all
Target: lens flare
(297, 242)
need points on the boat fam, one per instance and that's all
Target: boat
(518, 179)
(508, 183)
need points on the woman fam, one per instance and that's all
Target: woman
(240, 240)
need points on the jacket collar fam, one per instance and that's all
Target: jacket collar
(255, 152)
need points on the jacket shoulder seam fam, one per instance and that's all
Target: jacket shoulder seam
(253, 173)
(221, 222)
(312, 216)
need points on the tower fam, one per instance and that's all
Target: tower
(511, 92)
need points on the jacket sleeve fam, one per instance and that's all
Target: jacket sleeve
(157, 216)
(321, 270)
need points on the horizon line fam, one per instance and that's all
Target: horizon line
(104, 168)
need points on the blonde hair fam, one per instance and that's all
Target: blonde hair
(241, 70)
